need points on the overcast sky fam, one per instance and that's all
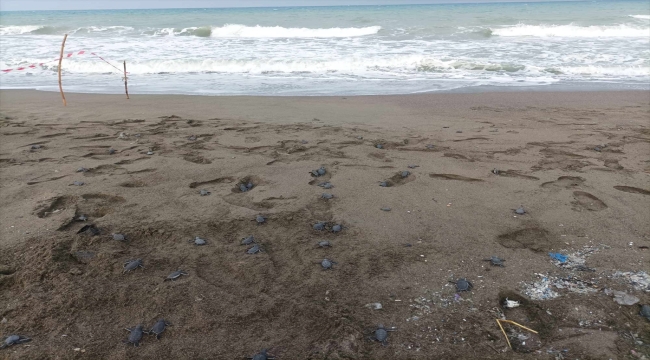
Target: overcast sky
(12, 5)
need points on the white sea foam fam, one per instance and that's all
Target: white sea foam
(242, 31)
(572, 31)
(644, 17)
(17, 30)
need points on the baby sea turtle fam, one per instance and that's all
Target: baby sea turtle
(496, 171)
(248, 240)
(254, 249)
(462, 285)
(495, 261)
(405, 174)
(413, 166)
(319, 172)
(430, 146)
(78, 183)
(327, 264)
(14, 340)
(520, 210)
(158, 328)
(198, 241)
(320, 226)
(82, 169)
(645, 311)
(135, 335)
(379, 146)
(597, 148)
(132, 265)
(324, 244)
(262, 355)
(119, 237)
(260, 219)
(383, 183)
(204, 192)
(326, 185)
(327, 196)
(192, 138)
(381, 334)
(386, 209)
(36, 147)
(111, 151)
(337, 228)
(90, 228)
(149, 152)
(175, 275)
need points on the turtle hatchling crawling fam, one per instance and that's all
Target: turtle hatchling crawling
(254, 250)
(520, 210)
(320, 226)
(324, 244)
(381, 334)
(119, 237)
(204, 192)
(318, 172)
(198, 241)
(158, 328)
(132, 265)
(645, 311)
(14, 340)
(260, 219)
(262, 355)
(248, 240)
(327, 196)
(327, 264)
(495, 261)
(462, 285)
(326, 185)
(175, 275)
(337, 228)
(405, 174)
(135, 335)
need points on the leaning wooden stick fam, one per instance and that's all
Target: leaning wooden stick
(60, 61)
(504, 333)
(126, 88)
(521, 326)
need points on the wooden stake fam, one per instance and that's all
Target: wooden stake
(61, 60)
(126, 88)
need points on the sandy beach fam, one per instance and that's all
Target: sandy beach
(578, 163)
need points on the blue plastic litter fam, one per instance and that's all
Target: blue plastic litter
(559, 257)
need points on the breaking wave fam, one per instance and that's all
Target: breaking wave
(644, 17)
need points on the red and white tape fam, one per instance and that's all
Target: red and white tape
(68, 55)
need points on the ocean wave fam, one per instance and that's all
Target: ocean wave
(644, 17)
(59, 30)
(242, 31)
(18, 30)
(572, 31)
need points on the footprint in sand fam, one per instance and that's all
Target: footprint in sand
(565, 182)
(453, 177)
(632, 190)
(586, 201)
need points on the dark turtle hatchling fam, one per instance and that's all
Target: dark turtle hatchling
(337, 228)
(462, 285)
(158, 328)
(405, 174)
(78, 183)
(175, 275)
(198, 241)
(430, 146)
(192, 138)
(413, 166)
(327, 264)
(520, 210)
(381, 334)
(135, 335)
(320, 226)
(327, 196)
(204, 192)
(262, 355)
(132, 265)
(248, 240)
(260, 219)
(318, 172)
(645, 311)
(36, 147)
(326, 185)
(324, 244)
(379, 146)
(90, 228)
(254, 249)
(496, 171)
(495, 261)
(383, 183)
(14, 340)
(111, 151)
(119, 237)
(243, 188)
(82, 169)
(386, 209)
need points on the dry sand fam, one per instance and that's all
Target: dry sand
(68, 293)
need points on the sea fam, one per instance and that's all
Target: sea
(339, 50)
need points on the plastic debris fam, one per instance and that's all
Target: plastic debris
(623, 298)
(639, 280)
(374, 306)
(559, 257)
(511, 304)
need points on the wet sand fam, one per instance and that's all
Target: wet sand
(579, 163)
